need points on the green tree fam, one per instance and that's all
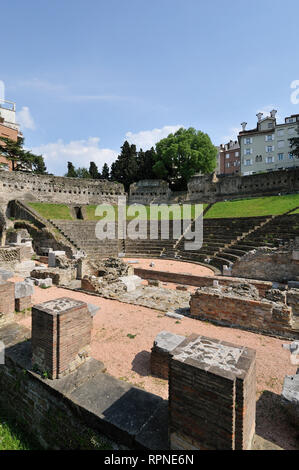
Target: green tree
(182, 154)
(105, 172)
(71, 171)
(145, 162)
(93, 171)
(21, 159)
(82, 172)
(294, 144)
(124, 170)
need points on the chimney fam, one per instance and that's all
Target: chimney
(273, 113)
(243, 124)
(259, 116)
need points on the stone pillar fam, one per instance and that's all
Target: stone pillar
(7, 301)
(212, 395)
(23, 293)
(61, 335)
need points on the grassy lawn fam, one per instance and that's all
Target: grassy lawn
(52, 211)
(271, 205)
(12, 437)
(144, 214)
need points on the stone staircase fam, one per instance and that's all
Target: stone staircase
(83, 235)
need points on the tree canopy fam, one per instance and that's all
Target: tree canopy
(182, 154)
(124, 169)
(21, 159)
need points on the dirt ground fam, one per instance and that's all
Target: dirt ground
(128, 357)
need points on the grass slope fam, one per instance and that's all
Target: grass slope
(12, 437)
(52, 211)
(262, 206)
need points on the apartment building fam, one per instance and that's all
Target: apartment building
(229, 158)
(8, 128)
(267, 147)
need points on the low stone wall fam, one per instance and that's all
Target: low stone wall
(212, 188)
(275, 265)
(199, 281)
(255, 314)
(87, 409)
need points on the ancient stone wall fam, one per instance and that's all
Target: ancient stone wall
(211, 188)
(275, 265)
(243, 307)
(57, 189)
(149, 191)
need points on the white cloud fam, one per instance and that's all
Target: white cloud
(147, 139)
(79, 152)
(25, 119)
(233, 135)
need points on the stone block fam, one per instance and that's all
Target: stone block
(23, 289)
(164, 343)
(290, 398)
(52, 257)
(61, 335)
(93, 309)
(5, 274)
(177, 316)
(44, 282)
(212, 395)
(131, 282)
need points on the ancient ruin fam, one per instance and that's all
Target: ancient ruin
(141, 343)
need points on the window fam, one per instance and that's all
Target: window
(291, 156)
(280, 133)
(237, 154)
(270, 125)
(227, 165)
(269, 159)
(290, 120)
(227, 155)
(248, 140)
(280, 156)
(280, 144)
(269, 148)
(269, 138)
(291, 130)
(248, 151)
(248, 162)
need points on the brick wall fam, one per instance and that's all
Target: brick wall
(199, 281)
(61, 335)
(7, 302)
(211, 395)
(256, 315)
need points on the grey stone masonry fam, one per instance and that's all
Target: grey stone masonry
(212, 395)
(164, 343)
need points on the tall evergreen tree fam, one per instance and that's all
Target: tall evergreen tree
(145, 162)
(71, 171)
(82, 172)
(105, 172)
(21, 159)
(125, 169)
(93, 171)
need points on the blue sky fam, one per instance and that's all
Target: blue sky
(88, 74)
